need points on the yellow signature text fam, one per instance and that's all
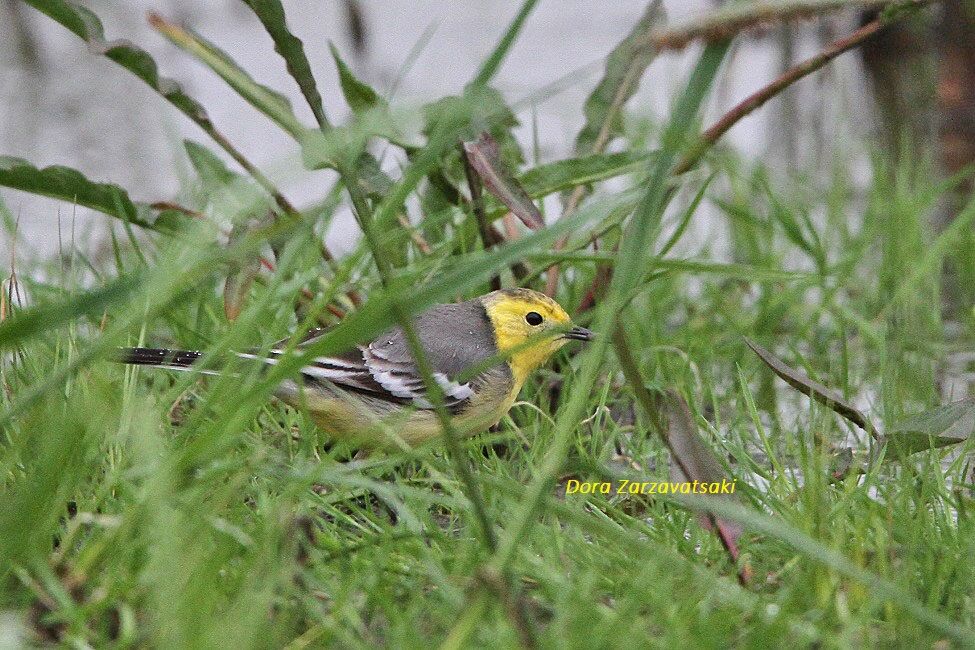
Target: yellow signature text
(628, 487)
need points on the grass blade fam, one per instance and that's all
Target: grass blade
(270, 102)
(86, 25)
(675, 424)
(31, 321)
(493, 62)
(292, 50)
(697, 463)
(836, 561)
(636, 245)
(625, 66)
(462, 275)
(562, 175)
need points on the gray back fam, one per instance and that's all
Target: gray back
(456, 336)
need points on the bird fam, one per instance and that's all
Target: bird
(374, 394)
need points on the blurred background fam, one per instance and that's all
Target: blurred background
(59, 104)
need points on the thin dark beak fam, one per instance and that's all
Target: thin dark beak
(578, 334)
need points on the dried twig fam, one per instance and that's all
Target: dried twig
(736, 17)
(786, 79)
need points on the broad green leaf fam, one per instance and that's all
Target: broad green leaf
(482, 109)
(292, 50)
(71, 185)
(624, 68)
(360, 96)
(561, 175)
(86, 25)
(270, 102)
(940, 427)
(493, 62)
(485, 110)
(228, 193)
(337, 147)
(371, 178)
(367, 105)
(208, 166)
(443, 136)
(485, 157)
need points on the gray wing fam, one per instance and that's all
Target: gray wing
(455, 338)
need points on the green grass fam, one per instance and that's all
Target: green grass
(203, 514)
(143, 508)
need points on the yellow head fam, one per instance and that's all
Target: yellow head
(529, 326)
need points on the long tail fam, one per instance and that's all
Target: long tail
(184, 360)
(173, 359)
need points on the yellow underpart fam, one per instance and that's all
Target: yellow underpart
(360, 420)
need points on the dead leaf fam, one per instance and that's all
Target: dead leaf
(485, 157)
(813, 389)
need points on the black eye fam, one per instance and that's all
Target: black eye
(533, 318)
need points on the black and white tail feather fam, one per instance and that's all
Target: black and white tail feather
(382, 370)
(372, 376)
